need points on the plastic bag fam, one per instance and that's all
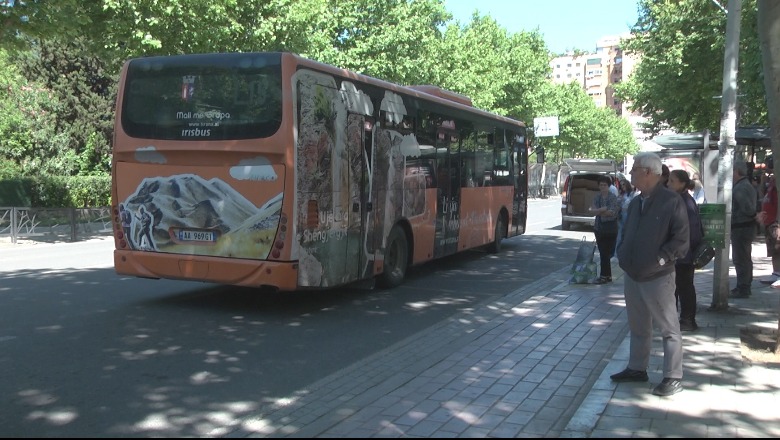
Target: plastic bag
(584, 269)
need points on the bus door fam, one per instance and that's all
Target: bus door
(520, 180)
(359, 147)
(448, 193)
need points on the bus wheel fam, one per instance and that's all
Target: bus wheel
(498, 235)
(396, 259)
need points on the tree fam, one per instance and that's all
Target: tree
(678, 81)
(60, 113)
(585, 130)
(768, 26)
(402, 41)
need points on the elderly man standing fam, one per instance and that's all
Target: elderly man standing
(743, 229)
(655, 234)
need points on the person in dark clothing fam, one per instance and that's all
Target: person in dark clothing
(743, 229)
(665, 175)
(655, 235)
(605, 207)
(685, 291)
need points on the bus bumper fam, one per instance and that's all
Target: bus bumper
(282, 276)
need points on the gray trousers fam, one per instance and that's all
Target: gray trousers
(649, 302)
(742, 256)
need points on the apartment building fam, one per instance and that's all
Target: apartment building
(598, 73)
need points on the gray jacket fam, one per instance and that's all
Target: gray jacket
(743, 203)
(660, 230)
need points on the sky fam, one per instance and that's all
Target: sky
(564, 24)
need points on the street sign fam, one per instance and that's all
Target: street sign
(546, 126)
(713, 219)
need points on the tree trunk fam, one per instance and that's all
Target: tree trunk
(769, 36)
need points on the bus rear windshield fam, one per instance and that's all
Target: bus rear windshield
(203, 97)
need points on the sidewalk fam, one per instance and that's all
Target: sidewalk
(536, 363)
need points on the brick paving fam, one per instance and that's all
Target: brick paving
(536, 363)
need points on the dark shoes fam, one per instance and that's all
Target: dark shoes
(668, 386)
(629, 375)
(688, 325)
(602, 280)
(736, 293)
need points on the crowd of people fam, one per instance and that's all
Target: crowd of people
(657, 227)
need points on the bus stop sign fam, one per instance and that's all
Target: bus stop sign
(546, 126)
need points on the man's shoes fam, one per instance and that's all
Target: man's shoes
(668, 386)
(629, 375)
(736, 293)
(602, 280)
(688, 325)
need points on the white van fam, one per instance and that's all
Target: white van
(581, 188)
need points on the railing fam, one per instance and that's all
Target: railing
(54, 224)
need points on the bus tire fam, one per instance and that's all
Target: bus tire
(396, 259)
(498, 235)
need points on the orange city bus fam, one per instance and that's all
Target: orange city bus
(272, 170)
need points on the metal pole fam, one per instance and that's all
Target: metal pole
(13, 225)
(726, 144)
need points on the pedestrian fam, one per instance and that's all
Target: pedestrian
(605, 208)
(627, 194)
(665, 175)
(685, 291)
(768, 218)
(655, 236)
(698, 189)
(743, 229)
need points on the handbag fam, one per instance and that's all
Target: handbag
(703, 254)
(773, 237)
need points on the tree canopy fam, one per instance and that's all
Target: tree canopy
(679, 80)
(64, 57)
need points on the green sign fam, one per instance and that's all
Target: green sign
(713, 219)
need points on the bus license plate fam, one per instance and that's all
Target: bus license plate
(190, 235)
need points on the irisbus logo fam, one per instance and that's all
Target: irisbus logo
(196, 132)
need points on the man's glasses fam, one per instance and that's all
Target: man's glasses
(635, 169)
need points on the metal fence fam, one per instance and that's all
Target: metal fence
(54, 224)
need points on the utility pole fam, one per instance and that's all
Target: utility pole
(726, 144)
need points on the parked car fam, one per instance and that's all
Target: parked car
(581, 187)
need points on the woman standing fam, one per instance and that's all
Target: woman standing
(605, 207)
(685, 292)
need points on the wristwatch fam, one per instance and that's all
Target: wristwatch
(661, 261)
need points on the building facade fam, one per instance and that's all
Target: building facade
(598, 73)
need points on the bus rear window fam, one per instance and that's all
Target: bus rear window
(203, 97)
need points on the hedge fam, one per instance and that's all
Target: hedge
(56, 191)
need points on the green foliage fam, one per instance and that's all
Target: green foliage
(56, 191)
(15, 192)
(71, 86)
(585, 130)
(680, 76)
(59, 118)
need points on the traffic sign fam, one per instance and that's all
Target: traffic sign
(546, 126)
